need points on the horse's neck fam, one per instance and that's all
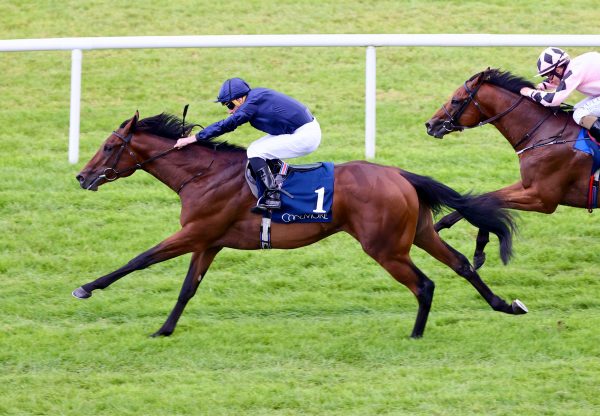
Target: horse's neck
(518, 122)
(190, 164)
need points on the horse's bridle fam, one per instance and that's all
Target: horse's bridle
(451, 124)
(112, 174)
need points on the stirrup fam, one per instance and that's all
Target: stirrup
(595, 130)
(268, 201)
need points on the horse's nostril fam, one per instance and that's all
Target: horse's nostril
(80, 178)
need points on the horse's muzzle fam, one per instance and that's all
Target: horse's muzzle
(435, 129)
(87, 184)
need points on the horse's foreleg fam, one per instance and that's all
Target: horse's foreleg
(483, 237)
(515, 196)
(176, 245)
(199, 265)
(404, 271)
(448, 221)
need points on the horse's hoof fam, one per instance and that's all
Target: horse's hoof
(81, 293)
(478, 260)
(519, 307)
(160, 334)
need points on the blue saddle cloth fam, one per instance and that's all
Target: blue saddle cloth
(312, 193)
(586, 144)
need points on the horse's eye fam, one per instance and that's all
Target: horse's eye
(107, 148)
(455, 101)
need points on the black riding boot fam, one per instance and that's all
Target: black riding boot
(270, 198)
(595, 130)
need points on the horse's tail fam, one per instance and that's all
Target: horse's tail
(483, 211)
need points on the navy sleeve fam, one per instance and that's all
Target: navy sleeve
(241, 116)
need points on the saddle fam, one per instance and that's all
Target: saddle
(306, 191)
(280, 169)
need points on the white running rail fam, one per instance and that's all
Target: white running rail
(370, 41)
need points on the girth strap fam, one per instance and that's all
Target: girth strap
(592, 201)
(265, 231)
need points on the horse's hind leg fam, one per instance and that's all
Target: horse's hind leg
(404, 271)
(198, 267)
(497, 303)
(424, 293)
(430, 241)
(409, 275)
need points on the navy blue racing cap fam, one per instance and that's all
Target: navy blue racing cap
(232, 89)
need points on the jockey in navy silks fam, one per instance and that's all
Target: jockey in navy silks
(292, 130)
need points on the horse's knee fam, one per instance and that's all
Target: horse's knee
(482, 239)
(444, 223)
(447, 221)
(440, 225)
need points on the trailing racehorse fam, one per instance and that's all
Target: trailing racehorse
(386, 209)
(552, 172)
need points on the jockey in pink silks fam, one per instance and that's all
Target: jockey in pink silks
(565, 75)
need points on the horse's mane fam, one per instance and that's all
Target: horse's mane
(172, 127)
(514, 83)
(506, 80)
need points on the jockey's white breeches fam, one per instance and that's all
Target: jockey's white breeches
(304, 140)
(587, 107)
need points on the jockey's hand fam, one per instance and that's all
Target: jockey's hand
(544, 85)
(185, 141)
(527, 92)
(549, 83)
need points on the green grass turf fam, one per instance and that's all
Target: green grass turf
(321, 330)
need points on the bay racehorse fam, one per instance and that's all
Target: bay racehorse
(386, 209)
(552, 172)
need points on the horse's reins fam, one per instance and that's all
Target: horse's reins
(111, 174)
(126, 141)
(544, 144)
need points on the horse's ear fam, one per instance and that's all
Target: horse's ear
(487, 73)
(130, 126)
